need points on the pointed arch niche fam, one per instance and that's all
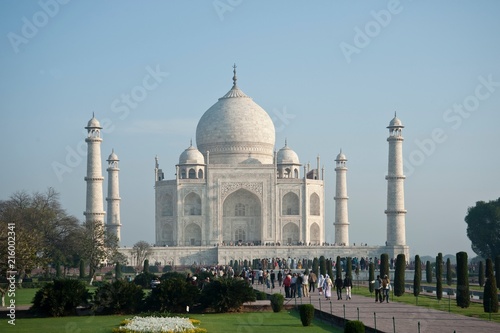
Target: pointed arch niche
(242, 217)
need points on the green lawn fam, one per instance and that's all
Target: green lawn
(445, 304)
(24, 296)
(268, 322)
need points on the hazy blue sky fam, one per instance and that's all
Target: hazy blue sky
(329, 73)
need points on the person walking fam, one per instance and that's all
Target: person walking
(287, 282)
(327, 287)
(273, 278)
(293, 286)
(378, 289)
(305, 284)
(386, 286)
(347, 286)
(339, 285)
(280, 278)
(312, 281)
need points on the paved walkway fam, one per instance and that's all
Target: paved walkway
(406, 317)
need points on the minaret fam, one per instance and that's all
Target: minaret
(94, 211)
(113, 218)
(341, 214)
(396, 234)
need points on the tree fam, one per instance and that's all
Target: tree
(417, 277)
(439, 276)
(315, 266)
(45, 233)
(490, 300)
(118, 271)
(348, 267)
(463, 299)
(428, 272)
(226, 294)
(338, 268)
(60, 298)
(119, 297)
(384, 264)
(371, 276)
(497, 270)
(96, 245)
(481, 274)
(399, 275)
(483, 228)
(145, 268)
(449, 273)
(141, 250)
(82, 269)
(322, 265)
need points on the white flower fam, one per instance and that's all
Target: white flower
(158, 324)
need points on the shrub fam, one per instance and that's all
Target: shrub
(153, 269)
(315, 266)
(167, 268)
(490, 300)
(118, 271)
(225, 294)
(417, 277)
(463, 299)
(172, 295)
(399, 275)
(277, 301)
(306, 314)
(172, 275)
(354, 326)
(260, 295)
(61, 298)
(144, 280)
(119, 297)
(145, 268)
(348, 269)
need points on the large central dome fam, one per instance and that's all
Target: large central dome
(234, 129)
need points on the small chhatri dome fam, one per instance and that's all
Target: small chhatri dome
(341, 156)
(191, 156)
(234, 127)
(93, 123)
(395, 122)
(287, 156)
(112, 156)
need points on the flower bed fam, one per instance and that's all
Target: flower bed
(159, 325)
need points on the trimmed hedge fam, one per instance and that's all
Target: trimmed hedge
(417, 277)
(277, 301)
(354, 326)
(306, 314)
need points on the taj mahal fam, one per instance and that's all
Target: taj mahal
(235, 196)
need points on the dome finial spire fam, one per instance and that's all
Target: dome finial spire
(191, 142)
(234, 75)
(286, 142)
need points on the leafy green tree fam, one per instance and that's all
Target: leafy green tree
(144, 280)
(226, 294)
(483, 228)
(118, 271)
(371, 276)
(481, 274)
(173, 295)
(348, 269)
(45, 233)
(82, 269)
(449, 273)
(490, 299)
(60, 298)
(497, 270)
(417, 277)
(384, 264)
(322, 265)
(428, 272)
(399, 275)
(439, 276)
(119, 297)
(463, 299)
(338, 268)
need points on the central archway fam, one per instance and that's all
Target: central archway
(242, 217)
